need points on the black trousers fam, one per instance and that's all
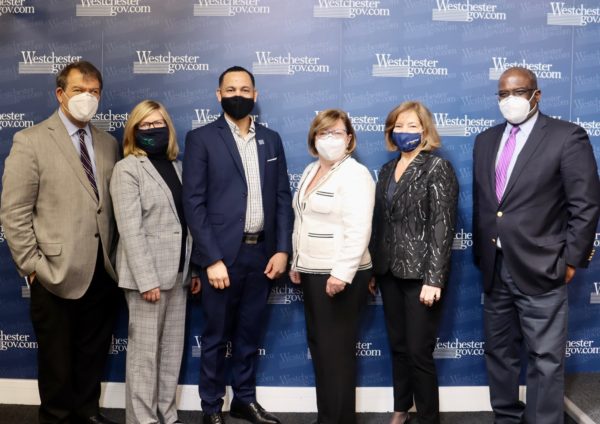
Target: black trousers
(412, 331)
(332, 329)
(73, 340)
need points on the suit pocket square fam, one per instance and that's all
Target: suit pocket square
(272, 159)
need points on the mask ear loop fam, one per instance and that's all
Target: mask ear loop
(531, 109)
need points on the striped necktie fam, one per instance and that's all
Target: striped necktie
(86, 162)
(504, 162)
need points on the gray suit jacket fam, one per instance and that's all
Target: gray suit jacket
(149, 227)
(50, 214)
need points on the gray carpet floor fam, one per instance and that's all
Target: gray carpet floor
(19, 414)
(584, 391)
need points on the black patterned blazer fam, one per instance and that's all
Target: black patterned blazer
(412, 235)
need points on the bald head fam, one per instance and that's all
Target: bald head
(523, 74)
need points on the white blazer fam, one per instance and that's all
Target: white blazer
(333, 221)
(149, 228)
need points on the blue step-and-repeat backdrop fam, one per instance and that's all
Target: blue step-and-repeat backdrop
(364, 56)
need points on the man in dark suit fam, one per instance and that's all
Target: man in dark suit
(536, 201)
(58, 219)
(237, 203)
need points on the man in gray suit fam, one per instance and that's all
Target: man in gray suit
(58, 221)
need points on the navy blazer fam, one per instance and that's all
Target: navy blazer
(215, 192)
(548, 214)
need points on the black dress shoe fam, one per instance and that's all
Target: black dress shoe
(252, 412)
(216, 418)
(97, 419)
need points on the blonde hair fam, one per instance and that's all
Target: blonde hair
(327, 119)
(137, 115)
(430, 139)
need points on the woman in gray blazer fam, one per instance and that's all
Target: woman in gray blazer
(413, 226)
(153, 261)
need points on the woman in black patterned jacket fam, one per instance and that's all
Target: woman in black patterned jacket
(413, 226)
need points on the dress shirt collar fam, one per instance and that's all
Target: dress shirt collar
(236, 130)
(71, 127)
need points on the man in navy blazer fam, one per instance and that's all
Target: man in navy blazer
(237, 203)
(536, 202)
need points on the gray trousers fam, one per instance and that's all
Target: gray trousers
(154, 352)
(513, 321)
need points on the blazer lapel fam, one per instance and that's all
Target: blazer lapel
(62, 139)
(151, 170)
(261, 151)
(533, 142)
(229, 141)
(414, 171)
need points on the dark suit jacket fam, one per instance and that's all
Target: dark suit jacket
(548, 215)
(215, 192)
(412, 236)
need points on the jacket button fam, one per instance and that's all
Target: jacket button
(499, 214)
(96, 235)
(494, 240)
(99, 211)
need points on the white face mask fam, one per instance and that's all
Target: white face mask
(83, 106)
(331, 148)
(515, 109)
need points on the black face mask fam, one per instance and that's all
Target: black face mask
(237, 107)
(153, 141)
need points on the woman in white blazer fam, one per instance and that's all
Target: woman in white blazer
(153, 262)
(333, 209)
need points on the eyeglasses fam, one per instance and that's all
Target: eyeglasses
(331, 133)
(155, 124)
(519, 92)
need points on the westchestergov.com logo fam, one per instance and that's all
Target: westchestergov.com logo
(540, 69)
(204, 117)
(14, 120)
(462, 240)
(285, 294)
(294, 178)
(15, 7)
(110, 7)
(460, 126)
(595, 295)
(565, 14)
(466, 12)
(16, 341)
(230, 8)
(581, 347)
(149, 63)
(286, 64)
(109, 121)
(49, 63)
(456, 349)
(405, 67)
(593, 130)
(348, 9)
(118, 345)
(364, 123)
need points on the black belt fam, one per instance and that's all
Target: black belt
(253, 238)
